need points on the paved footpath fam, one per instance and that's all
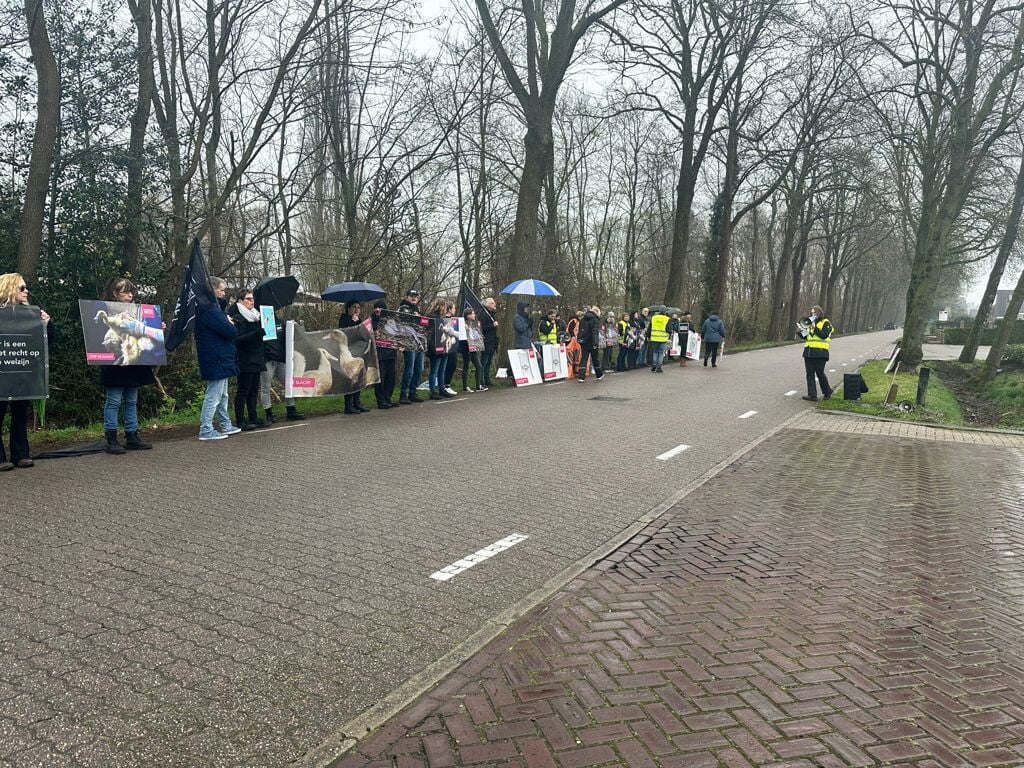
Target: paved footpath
(848, 593)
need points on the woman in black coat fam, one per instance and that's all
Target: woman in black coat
(251, 362)
(122, 384)
(353, 406)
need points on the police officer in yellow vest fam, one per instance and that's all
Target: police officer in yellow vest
(816, 332)
(657, 335)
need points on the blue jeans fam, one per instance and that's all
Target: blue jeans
(116, 397)
(641, 355)
(215, 403)
(412, 370)
(437, 369)
(657, 353)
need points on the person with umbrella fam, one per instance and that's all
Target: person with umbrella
(276, 292)
(386, 359)
(350, 319)
(249, 345)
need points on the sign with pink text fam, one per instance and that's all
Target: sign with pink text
(522, 366)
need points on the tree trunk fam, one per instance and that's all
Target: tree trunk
(142, 13)
(41, 161)
(675, 290)
(1006, 326)
(1006, 244)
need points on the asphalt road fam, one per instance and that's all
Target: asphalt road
(238, 602)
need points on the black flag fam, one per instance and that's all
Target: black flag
(196, 294)
(470, 301)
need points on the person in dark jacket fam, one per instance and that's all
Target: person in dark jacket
(588, 337)
(412, 361)
(387, 358)
(215, 347)
(635, 338)
(453, 354)
(489, 328)
(14, 290)
(273, 357)
(251, 364)
(611, 341)
(685, 326)
(350, 319)
(713, 334)
(121, 383)
(522, 326)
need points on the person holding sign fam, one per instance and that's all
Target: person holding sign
(470, 349)
(249, 345)
(121, 383)
(14, 292)
(215, 348)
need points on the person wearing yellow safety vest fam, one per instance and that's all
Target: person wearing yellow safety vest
(547, 329)
(657, 335)
(623, 327)
(816, 332)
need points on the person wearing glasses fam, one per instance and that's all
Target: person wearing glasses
(251, 364)
(13, 290)
(215, 347)
(121, 383)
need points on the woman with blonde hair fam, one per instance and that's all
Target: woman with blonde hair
(14, 291)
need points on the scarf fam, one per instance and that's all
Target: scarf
(249, 314)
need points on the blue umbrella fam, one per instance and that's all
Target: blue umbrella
(353, 292)
(531, 287)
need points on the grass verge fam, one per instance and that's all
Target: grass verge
(941, 405)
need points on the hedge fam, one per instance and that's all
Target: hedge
(988, 335)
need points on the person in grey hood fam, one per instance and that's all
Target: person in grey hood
(522, 326)
(713, 334)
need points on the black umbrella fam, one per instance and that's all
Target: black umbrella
(276, 292)
(353, 292)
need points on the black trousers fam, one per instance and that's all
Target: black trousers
(711, 350)
(815, 367)
(474, 358)
(586, 353)
(451, 365)
(485, 364)
(247, 388)
(19, 429)
(385, 388)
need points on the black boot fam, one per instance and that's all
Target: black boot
(293, 415)
(113, 446)
(132, 442)
(269, 415)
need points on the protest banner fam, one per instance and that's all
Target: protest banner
(674, 349)
(556, 363)
(405, 332)
(268, 322)
(523, 366)
(339, 361)
(121, 333)
(24, 356)
(196, 294)
(474, 336)
(693, 346)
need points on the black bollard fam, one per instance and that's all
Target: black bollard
(922, 386)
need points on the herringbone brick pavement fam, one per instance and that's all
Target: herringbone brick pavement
(830, 600)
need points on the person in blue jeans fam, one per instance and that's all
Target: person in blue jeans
(439, 357)
(122, 383)
(215, 346)
(412, 361)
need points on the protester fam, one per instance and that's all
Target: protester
(273, 356)
(13, 290)
(350, 319)
(384, 389)
(685, 327)
(588, 338)
(249, 345)
(673, 330)
(816, 354)
(121, 384)
(470, 356)
(623, 327)
(215, 347)
(522, 326)
(547, 329)
(438, 357)
(412, 362)
(452, 364)
(611, 341)
(643, 320)
(635, 337)
(657, 337)
(713, 334)
(489, 328)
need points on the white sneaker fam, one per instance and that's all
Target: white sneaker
(450, 391)
(232, 430)
(480, 389)
(600, 377)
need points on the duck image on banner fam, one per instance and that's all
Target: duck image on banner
(339, 361)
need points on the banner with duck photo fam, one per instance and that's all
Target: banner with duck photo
(405, 332)
(339, 361)
(121, 333)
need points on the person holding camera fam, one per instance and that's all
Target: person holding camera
(816, 331)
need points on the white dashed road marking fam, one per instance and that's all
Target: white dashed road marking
(747, 415)
(669, 454)
(477, 557)
(274, 429)
(791, 393)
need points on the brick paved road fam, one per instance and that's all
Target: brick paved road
(237, 603)
(871, 617)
